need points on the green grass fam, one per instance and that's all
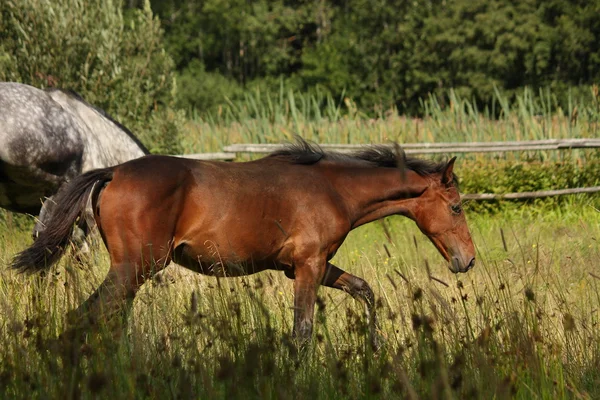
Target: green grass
(267, 118)
(522, 324)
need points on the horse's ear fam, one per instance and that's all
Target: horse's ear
(448, 174)
(400, 160)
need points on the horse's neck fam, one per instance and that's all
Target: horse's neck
(372, 193)
(106, 143)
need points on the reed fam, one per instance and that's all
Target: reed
(268, 118)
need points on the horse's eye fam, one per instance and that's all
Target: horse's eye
(456, 209)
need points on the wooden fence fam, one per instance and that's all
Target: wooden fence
(211, 156)
(231, 152)
(434, 148)
(529, 195)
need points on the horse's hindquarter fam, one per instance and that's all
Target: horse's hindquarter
(39, 147)
(137, 211)
(34, 128)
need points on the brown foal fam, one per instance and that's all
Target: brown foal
(289, 211)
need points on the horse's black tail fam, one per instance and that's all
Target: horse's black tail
(71, 201)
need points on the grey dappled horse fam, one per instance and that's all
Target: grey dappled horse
(48, 137)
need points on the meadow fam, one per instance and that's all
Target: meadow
(522, 324)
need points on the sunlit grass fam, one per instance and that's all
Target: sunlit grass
(523, 323)
(263, 118)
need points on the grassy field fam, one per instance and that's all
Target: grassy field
(522, 324)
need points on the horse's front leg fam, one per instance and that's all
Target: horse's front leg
(308, 276)
(360, 290)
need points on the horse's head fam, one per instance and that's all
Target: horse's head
(439, 215)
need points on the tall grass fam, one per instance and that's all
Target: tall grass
(522, 324)
(268, 118)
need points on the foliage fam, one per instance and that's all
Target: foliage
(387, 53)
(202, 90)
(508, 177)
(118, 65)
(485, 176)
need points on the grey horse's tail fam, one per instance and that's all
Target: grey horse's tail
(71, 201)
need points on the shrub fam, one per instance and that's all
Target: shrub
(512, 177)
(118, 65)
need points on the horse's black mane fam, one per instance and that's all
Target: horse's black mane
(73, 94)
(303, 152)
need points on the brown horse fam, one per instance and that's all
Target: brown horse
(289, 211)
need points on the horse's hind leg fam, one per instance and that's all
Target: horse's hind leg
(113, 299)
(106, 310)
(359, 289)
(109, 299)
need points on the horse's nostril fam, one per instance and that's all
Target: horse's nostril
(471, 264)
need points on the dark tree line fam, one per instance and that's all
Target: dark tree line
(380, 53)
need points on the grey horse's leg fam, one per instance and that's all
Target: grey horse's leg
(44, 216)
(81, 231)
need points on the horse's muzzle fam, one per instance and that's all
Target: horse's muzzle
(456, 265)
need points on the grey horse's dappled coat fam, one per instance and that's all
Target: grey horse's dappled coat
(48, 137)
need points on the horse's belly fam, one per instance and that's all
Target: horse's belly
(219, 265)
(22, 189)
(16, 198)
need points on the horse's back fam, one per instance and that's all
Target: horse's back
(225, 188)
(33, 127)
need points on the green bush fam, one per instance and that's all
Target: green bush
(118, 65)
(512, 177)
(202, 90)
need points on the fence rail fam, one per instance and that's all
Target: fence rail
(529, 195)
(231, 152)
(210, 156)
(433, 148)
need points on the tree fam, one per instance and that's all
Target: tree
(119, 66)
